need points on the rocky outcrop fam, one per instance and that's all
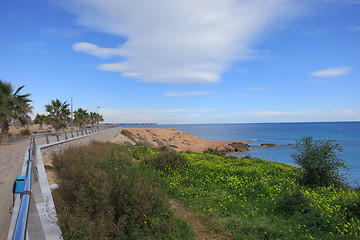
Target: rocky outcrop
(171, 139)
(229, 147)
(264, 145)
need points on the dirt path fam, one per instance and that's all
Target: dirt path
(202, 231)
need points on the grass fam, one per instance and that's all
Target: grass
(258, 199)
(104, 195)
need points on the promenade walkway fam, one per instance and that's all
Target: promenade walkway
(11, 161)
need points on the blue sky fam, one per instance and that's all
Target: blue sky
(198, 61)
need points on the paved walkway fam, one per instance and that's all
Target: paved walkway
(11, 161)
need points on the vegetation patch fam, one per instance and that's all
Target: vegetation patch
(165, 161)
(103, 195)
(257, 199)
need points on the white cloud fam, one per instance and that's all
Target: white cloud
(177, 42)
(186, 94)
(332, 72)
(97, 51)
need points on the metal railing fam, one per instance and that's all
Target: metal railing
(67, 134)
(27, 210)
(28, 216)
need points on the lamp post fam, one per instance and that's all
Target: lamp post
(72, 115)
(97, 115)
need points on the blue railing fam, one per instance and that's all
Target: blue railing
(26, 195)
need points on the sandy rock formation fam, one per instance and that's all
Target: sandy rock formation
(175, 140)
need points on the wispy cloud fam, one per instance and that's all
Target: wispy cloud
(98, 51)
(332, 72)
(353, 28)
(177, 42)
(186, 94)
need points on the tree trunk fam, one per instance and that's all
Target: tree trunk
(4, 136)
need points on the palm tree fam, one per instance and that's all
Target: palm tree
(99, 118)
(58, 114)
(40, 119)
(92, 117)
(13, 107)
(95, 118)
(81, 117)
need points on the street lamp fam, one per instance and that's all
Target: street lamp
(97, 115)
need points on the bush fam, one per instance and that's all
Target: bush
(292, 202)
(217, 153)
(320, 164)
(165, 160)
(102, 195)
(139, 151)
(25, 132)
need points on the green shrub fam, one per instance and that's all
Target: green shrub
(103, 195)
(210, 151)
(139, 151)
(247, 156)
(352, 208)
(165, 160)
(293, 202)
(321, 166)
(25, 132)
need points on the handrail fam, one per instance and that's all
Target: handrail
(66, 131)
(72, 132)
(27, 203)
(26, 195)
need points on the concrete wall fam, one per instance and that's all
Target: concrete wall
(42, 196)
(104, 136)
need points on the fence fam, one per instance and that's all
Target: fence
(65, 135)
(28, 221)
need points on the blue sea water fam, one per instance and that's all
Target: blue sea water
(283, 134)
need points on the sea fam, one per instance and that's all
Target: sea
(284, 135)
